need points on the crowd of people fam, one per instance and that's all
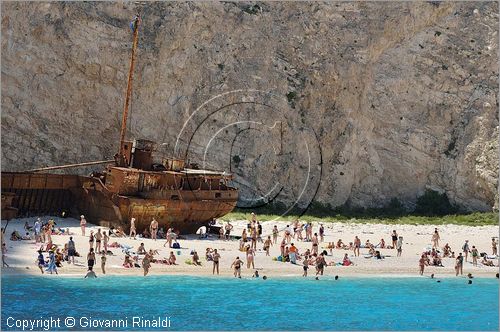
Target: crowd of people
(317, 253)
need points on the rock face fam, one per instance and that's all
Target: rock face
(341, 103)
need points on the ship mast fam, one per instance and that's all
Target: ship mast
(121, 160)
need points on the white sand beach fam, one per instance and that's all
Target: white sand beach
(21, 255)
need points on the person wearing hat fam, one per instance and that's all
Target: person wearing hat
(83, 224)
(132, 228)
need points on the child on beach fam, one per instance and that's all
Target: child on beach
(267, 244)
(237, 267)
(306, 266)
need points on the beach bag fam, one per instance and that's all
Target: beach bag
(176, 245)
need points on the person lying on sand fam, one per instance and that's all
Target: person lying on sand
(487, 262)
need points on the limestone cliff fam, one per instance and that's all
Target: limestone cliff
(354, 102)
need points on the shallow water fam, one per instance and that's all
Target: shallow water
(195, 303)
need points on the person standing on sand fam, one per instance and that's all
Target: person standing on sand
(83, 224)
(435, 239)
(315, 244)
(146, 264)
(98, 239)
(133, 230)
(105, 240)
(267, 244)
(474, 253)
(254, 238)
(71, 250)
(275, 234)
(422, 263)
(493, 246)
(52, 263)
(91, 258)
(306, 266)
(293, 253)
(465, 249)
(40, 261)
(394, 237)
(459, 265)
(91, 240)
(215, 259)
(399, 246)
(38, 228)
(103, 264)
(153, 228)
(228, 228)
(321, 233)
(237, 267)
(250, 258)
(169, 238)
(282, 247)
(357, 245)
(320, 264)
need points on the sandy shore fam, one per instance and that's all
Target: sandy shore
(21, 255)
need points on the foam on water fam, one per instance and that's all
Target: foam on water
(195, 303)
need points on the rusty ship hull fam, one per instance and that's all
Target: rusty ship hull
(51, 194)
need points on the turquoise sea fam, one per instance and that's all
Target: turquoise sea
(196, 303)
